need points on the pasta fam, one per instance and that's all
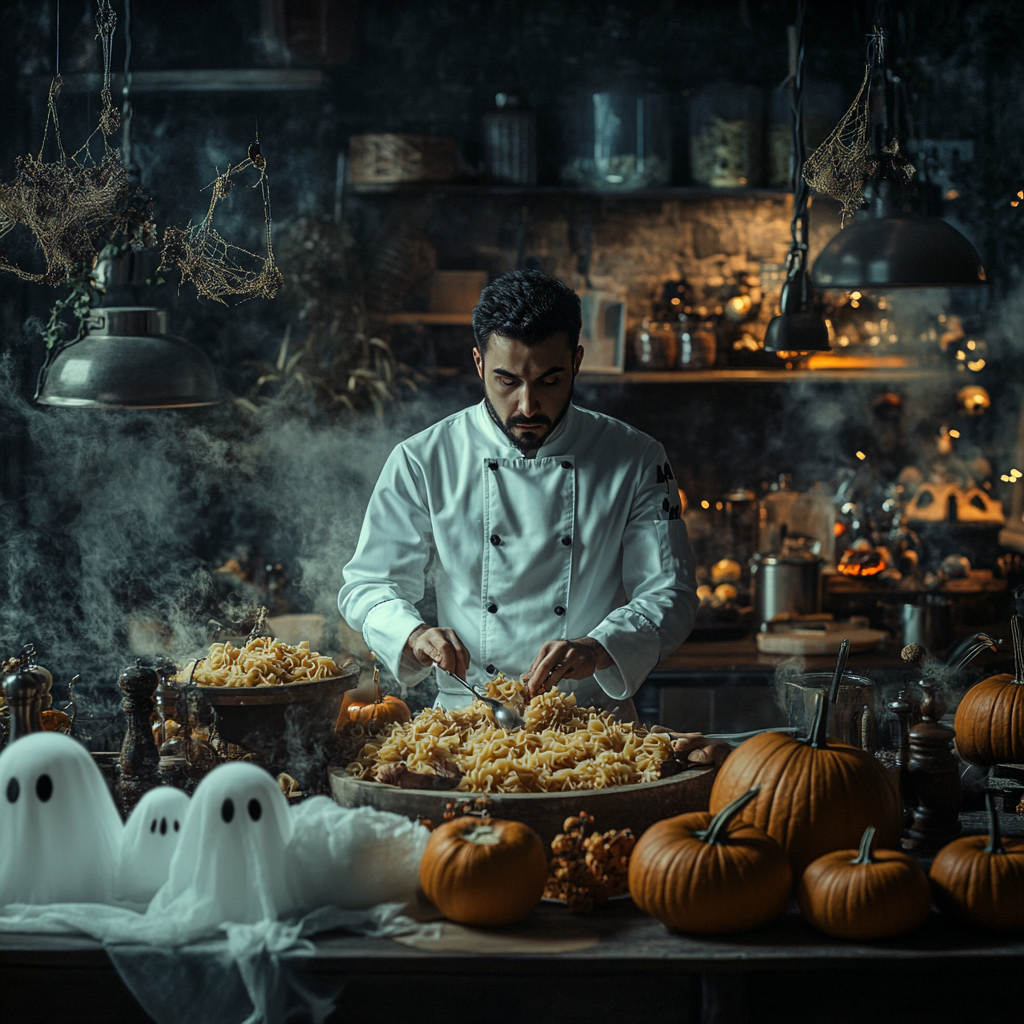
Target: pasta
(263, 661)
(562, 746)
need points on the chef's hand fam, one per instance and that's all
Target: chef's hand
(434, 645)
(564, 659)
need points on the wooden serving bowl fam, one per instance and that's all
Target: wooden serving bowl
(636, 807)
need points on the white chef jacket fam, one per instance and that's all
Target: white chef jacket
(584, 539)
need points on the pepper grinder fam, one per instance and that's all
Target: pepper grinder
(140, 759)
(933, 774)
(903, 709)
(27, 693)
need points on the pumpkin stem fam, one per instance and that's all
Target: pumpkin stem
(1017, 631)
(995, 837)
(867, 847)
(720, 822)
(376, 684)
(817, 737)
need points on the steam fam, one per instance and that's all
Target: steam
(127, 514)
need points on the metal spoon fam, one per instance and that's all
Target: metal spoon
(506, 717)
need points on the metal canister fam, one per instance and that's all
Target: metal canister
(785, 585)
(510, 142)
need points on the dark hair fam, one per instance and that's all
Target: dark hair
(528, 306)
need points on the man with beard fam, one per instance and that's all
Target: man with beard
(554, 533)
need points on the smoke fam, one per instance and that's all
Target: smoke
(126, 515)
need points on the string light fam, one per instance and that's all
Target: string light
(861, 456)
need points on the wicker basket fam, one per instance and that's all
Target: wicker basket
(383, 161)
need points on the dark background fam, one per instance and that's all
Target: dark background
(108, 514)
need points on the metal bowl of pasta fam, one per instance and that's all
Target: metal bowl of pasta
(279, 700)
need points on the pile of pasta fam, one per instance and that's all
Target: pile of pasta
(262, 661)
(562, 747)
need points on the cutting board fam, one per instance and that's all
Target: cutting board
(818, 641)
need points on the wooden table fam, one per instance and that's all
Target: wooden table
(637, 972)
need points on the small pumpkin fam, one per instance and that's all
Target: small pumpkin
(819, 794)
(704, 874)
(484, 871)
(989, 722)
(382, 710)
(980, 880)
(865, 894)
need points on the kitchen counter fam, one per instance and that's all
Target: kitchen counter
(636, 970)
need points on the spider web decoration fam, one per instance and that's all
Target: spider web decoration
(71, 203)
(844, 162)
(841, 165)
(214, 265)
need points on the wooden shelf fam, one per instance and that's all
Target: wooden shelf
(439, 319)
(763, 376)
(678, 192)
(201, 80)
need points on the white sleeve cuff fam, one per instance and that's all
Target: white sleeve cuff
(386, 627)
(634, 646)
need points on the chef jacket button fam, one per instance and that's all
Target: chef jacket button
(492, 608)
(567, 464)
(559, 610)
(492, 465)
(495, 539)
(491, 669)
(567, 541)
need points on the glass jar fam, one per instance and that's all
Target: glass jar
(725, 135)
(697, 344)
(618, 141)
(655, 345)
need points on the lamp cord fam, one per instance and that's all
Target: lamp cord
(799, 227)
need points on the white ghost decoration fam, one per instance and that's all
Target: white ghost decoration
(60, 831)
(230, 862)
(352, 858)
(151, 836)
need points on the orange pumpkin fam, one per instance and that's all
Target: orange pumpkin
(819, 794)
(980, 880)
(704, 874)
(989, 722)
(484, 871)
(380, 711)
(865, 894)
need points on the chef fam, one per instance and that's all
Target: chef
(552, 533)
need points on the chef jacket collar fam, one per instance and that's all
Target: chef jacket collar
(558, 442)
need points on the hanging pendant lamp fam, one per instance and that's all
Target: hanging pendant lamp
(127, 360)
(799, 326)
(888, 247)
(894, 243)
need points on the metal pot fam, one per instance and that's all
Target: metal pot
(929, 624)
(785, 585)
(853, 717)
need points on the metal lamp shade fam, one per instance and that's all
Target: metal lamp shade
(899, 252)
(797, 332)
(127, 361)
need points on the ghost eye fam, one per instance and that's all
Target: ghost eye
(13, 791)
(163, 826)
(44, 787)
(255, 810)
(227, 809)
(176, 826)
(152, 827)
